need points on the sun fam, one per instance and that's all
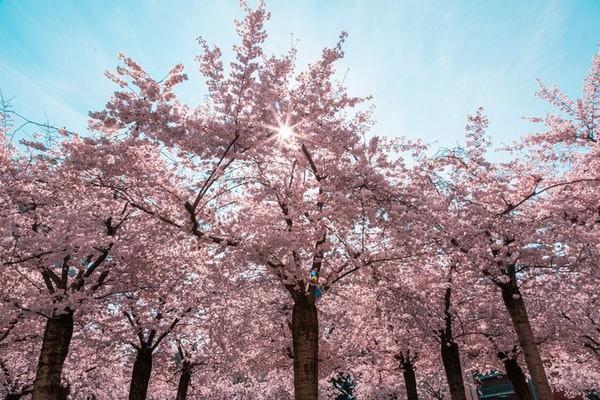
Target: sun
(285, 132)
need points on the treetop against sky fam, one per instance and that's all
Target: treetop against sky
(427, 64)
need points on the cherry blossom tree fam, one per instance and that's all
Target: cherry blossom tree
(60, 238)
(207, 251)
(272, 165)
(488, 196)
(439, 313)
(504, 223)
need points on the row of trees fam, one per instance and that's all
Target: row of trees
(206, 251)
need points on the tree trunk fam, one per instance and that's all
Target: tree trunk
(410, 381)
(517, 378)
(518, 314)
(451, 361)
(140, 377)
(55, 347)
(184, 381)
(450, 351)
(305, 336)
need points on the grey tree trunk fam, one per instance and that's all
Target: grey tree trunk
(451, 360)
(305, 337)
(140, 376)
(513, 301)
(516, 376)
(410, 381)
(55, 347)
(184, 381)
(450, 351)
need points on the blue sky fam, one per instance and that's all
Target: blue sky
(427, 63)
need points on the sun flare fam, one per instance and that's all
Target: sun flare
(285, 132)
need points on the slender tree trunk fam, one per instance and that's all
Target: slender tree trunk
(140, 377)
(55, 347)
(410, 380)
(184, 381)
(517, 378)
(450, 351)
(518, 314)
(451, 361)
(305, 336)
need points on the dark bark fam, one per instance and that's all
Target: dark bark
(140, 376)
(516, 376)
(450, 352)
(453, 369)
(305, 336)
(55, 347)
(515, 306)
(184, 381)
(410, 379)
